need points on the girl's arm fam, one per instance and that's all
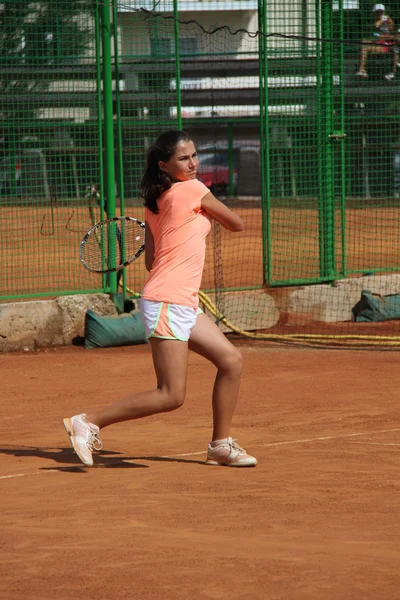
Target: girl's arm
(221, 213)
(149, 248)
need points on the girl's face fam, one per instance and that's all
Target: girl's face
(183, 164)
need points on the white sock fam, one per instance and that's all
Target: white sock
(218, 442)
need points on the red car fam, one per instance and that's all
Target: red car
(214, 172)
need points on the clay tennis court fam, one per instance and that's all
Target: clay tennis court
(317, 518)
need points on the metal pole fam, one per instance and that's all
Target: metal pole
(108, 125)
(327, 222)
(13, 166)
(231, 162)
(177, 66)
(119, 138)
(342, 168)
(100, 182)
(264, 151)
(320, 137)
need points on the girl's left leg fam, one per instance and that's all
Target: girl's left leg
(208, 340)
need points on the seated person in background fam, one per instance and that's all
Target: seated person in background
(383, 41)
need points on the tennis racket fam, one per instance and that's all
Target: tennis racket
(112, 244)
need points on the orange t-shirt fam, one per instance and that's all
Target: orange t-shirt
(179, 231)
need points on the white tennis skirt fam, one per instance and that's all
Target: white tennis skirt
(168, 321)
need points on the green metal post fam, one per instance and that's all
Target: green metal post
(264, 135)
(99, 183)
(119, 133)
(342, 167)
(108, 124)
(304, 15)
(231, 162)
(118, 107)
(13, 167)
(320, 140)
(177, 66)
(327, 218)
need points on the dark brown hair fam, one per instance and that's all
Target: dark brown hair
(154, 181)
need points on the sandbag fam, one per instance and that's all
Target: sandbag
(372, 308)
(113, 330)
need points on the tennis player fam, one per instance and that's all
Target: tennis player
(178, 215)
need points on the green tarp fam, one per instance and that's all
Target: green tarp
(372, 308)
(107, 331)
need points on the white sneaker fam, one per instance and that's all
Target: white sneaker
(84, 437)
(362, 74)
(229, 454)
(390, 76)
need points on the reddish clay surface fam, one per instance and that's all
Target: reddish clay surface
(317, 518)
(52, 239)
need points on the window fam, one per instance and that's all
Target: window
(164, 47)
(188, 46)
(161, 47)
(347, 5)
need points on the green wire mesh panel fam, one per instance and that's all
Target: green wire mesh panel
(333, 142)
(201, 66)
(371, 89)
(192, 68)
(301, 230)
(342, 219)
(146, 61)
(293, 107)
(49, 144)
(219, 84)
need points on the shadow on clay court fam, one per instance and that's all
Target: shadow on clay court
(67, 456)
(106, 459)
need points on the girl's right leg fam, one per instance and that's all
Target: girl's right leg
(170, 358)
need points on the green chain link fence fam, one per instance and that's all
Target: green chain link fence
(50, 144)
(291, 133)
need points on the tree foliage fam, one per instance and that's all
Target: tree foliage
(41, 34)
(36, 38)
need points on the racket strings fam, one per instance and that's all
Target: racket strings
(112, 244)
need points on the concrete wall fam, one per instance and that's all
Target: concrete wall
(46, 323)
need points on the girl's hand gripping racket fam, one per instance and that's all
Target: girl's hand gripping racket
(112, 244)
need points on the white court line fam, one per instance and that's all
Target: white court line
(305, 441)
(374, 443)
(28, 474)
(330, 437)
(270, 445)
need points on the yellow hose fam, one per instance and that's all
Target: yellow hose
(299, 337)
(303, 338)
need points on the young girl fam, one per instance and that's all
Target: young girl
(178, 212)
(383, 37)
